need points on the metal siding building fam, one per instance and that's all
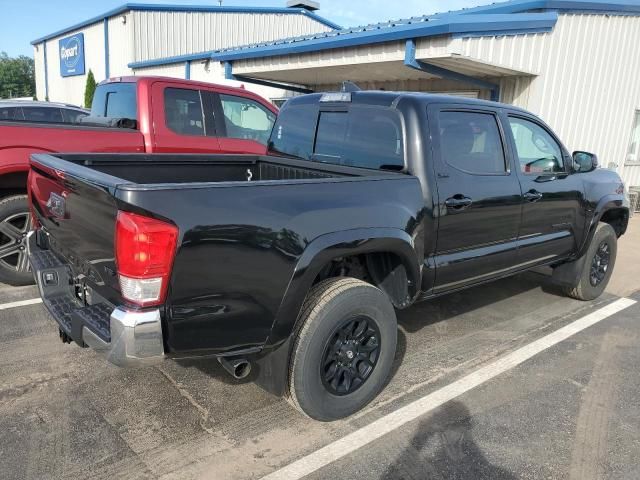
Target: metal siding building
(134, 33)
(573, 62)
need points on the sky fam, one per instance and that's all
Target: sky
(26, 20)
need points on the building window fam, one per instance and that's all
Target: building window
(246, 119)
(633, 153)
(470, 142)
(183, 111)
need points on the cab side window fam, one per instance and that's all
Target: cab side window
(246, 119)
(183, 111)
(471, 142)
(11, 113)
(537, 151)
(42, 114)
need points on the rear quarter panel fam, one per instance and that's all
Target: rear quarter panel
(240, 245)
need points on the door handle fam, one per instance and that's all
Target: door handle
(532, 196)
(458, 202)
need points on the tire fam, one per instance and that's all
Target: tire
(592, 284)
(15, 222)
(333, 307)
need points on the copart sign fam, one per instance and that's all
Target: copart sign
(72, 55)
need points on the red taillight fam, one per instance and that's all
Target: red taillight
(145, 248)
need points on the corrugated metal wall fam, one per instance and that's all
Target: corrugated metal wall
(631, 175)
(213, 72)
(587, 86)
(166, 34)
(381, 52)
(175, 70)
(120, 44)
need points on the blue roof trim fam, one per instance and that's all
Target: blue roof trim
(186, 8)
(520, 6)
(411, 28)
(169, 60)
(499, 33)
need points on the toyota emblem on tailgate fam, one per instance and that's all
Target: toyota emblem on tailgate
(55, 204)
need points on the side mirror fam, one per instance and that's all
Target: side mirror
(584, 162)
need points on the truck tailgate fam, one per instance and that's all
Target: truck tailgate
(79, 216)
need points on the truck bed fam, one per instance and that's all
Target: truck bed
(169, 169)
(244, 225)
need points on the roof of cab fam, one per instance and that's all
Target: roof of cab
(386, 98)
(149, 79)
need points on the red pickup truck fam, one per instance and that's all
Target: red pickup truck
(129, 114)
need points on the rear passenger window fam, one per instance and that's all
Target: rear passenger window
(367, 137)
(183, 111)
(10, 113)
(470, 141)
(42, 114)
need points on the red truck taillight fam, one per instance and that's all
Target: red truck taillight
(145, 248)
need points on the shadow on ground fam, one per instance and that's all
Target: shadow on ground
(443, 447)
(443, 308)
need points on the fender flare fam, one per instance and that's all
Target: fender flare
(606, 203)
(334, 245)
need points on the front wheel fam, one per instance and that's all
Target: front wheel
(598, 265)
(344, 349)
(15, 222)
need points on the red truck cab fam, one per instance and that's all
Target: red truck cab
(159, 115)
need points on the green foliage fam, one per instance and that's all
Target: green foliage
(17, 76)
(89, 90)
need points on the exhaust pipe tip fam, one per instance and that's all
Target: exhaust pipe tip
(238, 368)
(64, 337)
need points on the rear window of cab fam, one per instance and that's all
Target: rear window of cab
(362, 136)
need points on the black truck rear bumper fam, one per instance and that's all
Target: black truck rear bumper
(127, 338)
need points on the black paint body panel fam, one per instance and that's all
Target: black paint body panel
(249, 251)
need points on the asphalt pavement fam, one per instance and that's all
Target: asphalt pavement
(571, 410)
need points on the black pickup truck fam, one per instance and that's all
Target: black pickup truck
(292, 264)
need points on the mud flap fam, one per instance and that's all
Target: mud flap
(568, 274)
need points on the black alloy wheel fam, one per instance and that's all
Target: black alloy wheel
(13, 247)
(600, 264)
(350, 356)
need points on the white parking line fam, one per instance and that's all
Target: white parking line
(20, 303)
(346, 445)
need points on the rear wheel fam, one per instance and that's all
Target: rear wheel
(15, 222)
(344, 349)
(598, 265)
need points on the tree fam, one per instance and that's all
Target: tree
(17, 76)
(89, 90)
